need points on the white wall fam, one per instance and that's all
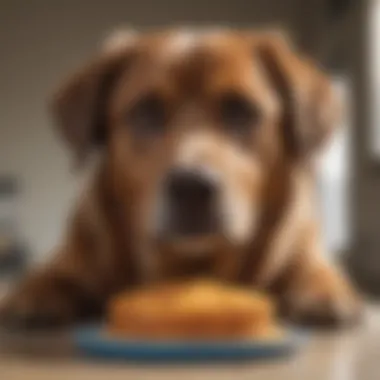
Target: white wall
(334, 177)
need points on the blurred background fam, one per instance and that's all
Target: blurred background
(41, 41)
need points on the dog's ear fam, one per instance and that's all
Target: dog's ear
(79, 106)
(310, 108)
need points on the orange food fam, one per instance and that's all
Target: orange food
(192, 310)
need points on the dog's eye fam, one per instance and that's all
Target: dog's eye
(237, 114)
(148, 116)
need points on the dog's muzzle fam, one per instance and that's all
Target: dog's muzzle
(190, 204)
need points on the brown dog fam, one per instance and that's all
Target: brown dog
(206, 142)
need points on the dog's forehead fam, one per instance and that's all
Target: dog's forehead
(196, 62)
(169, 46)
(182, 43)
(203, 55)
(185, 43)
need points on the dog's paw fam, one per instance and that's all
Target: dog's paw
(34, 307)
(324, 312)
(323, 305)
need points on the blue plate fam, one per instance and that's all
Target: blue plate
(92, 341)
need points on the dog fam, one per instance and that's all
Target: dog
(206, 142)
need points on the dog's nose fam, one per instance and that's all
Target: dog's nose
(191, 201)
(190, 187)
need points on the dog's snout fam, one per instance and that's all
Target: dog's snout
(189, 186)
(191, 203)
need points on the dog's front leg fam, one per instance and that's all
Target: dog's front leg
(59, 293)
(317, 292)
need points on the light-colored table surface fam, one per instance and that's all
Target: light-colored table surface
(349, 355)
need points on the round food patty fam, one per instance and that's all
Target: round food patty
(192, 310)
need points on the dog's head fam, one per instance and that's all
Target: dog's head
(193, 123)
